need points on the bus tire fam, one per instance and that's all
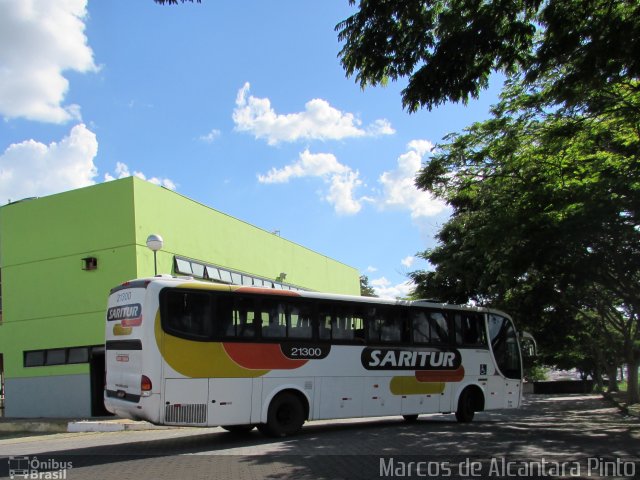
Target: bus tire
(238, 428)
(466, 407)
(285, 417)
(410, 418)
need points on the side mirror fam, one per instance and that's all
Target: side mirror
(528, 345)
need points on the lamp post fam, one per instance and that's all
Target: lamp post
(155, 242)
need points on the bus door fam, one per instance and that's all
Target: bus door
(506, 352)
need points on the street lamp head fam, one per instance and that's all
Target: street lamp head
(155, 242)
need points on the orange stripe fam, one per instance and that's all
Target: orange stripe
(261, 356)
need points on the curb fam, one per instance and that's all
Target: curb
(111, 426)
(73, 426)
(35, 426)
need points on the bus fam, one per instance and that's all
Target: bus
(185, 352)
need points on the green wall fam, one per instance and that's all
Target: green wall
(49, 301)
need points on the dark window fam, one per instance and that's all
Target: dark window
(469, 328)
(429, 327)
(420, 327)
(187, 313)
(347, 323)
(384, 325)
(273, 319)
(56, 356)
(78, 355)
(341, 322)
(300, 321)
(239, 322)
(325, 323)
(34, 359)
(439, 328)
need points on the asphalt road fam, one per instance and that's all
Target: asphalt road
(550, 437)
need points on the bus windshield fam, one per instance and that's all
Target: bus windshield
(504, 343)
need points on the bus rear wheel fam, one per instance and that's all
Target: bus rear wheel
(466, 407)
(285, 417)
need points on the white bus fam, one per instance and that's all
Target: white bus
(191, 353)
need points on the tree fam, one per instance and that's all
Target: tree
(545, 215)
(447, 49)
(366, 290)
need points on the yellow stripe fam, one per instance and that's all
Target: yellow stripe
(411, 386)
(199, 359)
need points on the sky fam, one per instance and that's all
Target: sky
(240, 105)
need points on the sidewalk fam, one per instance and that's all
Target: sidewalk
(62, 425)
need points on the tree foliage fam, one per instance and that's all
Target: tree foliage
(545, 216)
(366, 290)
(448, 48)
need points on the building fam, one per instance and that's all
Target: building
(60, 255)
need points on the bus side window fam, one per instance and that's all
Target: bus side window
(357, 325)
(469, 329)
(242, 319)
(438, 328)
(374, 326)
(224, 316)
(299, 320)
(341, 327)
(188, 314)
(324, 325)
(420, 327)
(273, 321)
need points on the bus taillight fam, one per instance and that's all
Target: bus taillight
(145, 385)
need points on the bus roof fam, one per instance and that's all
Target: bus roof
(186, 282)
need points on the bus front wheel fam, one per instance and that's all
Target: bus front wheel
(285, 417)
(466, 407)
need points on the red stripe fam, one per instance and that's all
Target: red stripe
(440, 375)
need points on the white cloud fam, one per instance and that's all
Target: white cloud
(211, 137)
(39, 40)
(408, 261)
(342, 180)
(308, 165)
(371, 269)
(342, 191)
(33, 169)
(122, 171)
(398, 186)
(380, 127)
(384, 289)
(318, 121)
